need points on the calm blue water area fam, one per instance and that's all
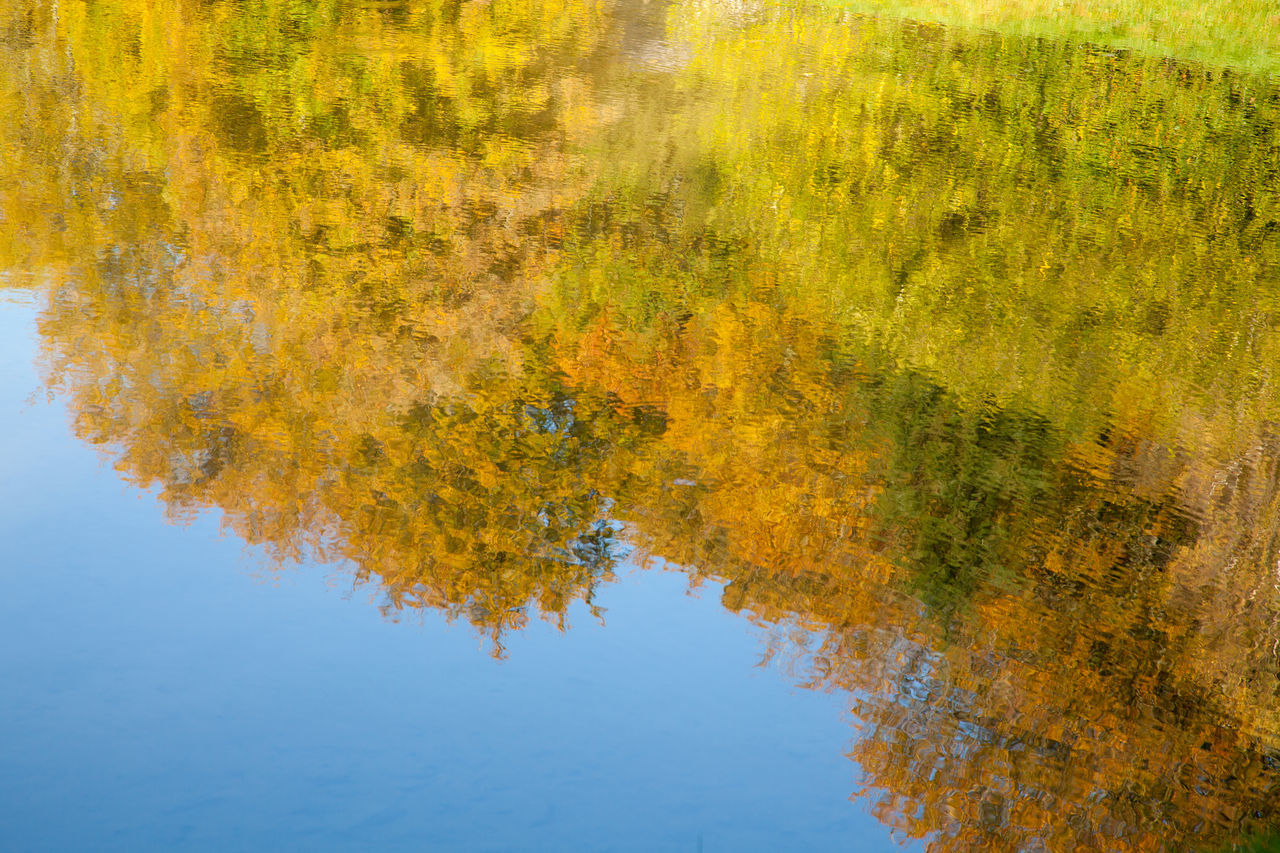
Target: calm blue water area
(163, 691)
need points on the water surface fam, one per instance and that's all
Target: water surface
(942, 357)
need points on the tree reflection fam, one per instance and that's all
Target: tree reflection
(940, 350)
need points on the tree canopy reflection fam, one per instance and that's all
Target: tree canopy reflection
(947, 353)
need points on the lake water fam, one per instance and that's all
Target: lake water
(703, 425)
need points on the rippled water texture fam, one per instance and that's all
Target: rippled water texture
(951, 353)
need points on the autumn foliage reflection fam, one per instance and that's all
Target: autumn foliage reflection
(479, 298)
